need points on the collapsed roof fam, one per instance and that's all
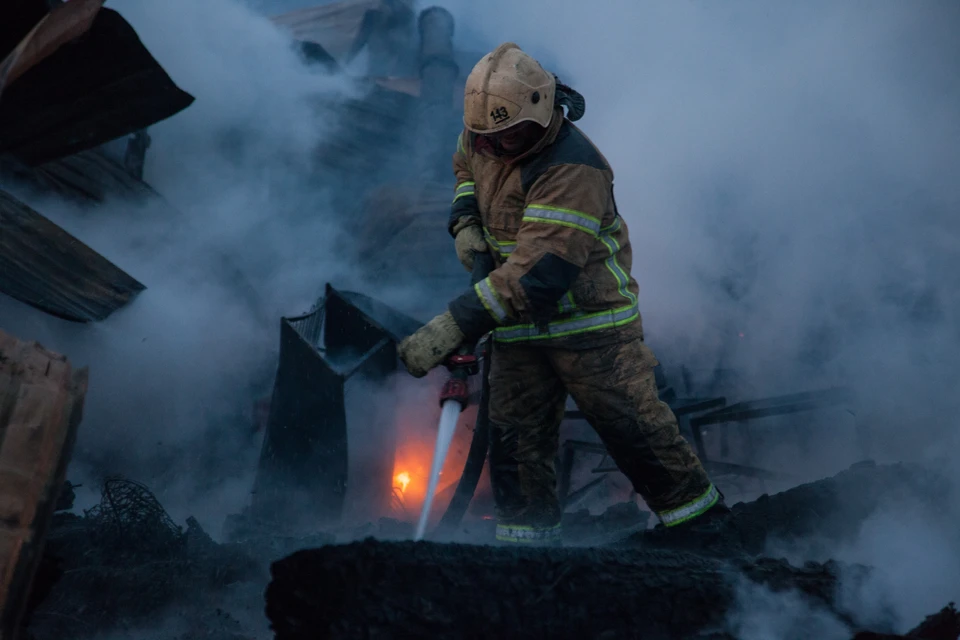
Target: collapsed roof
(72, 78)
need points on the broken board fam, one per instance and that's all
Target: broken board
(41, 403)
(49, 269)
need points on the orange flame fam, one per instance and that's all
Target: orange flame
(403, 480)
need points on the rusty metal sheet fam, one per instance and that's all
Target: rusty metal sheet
(41, 404)
(64, 23)
(333, 26)
(47, 268)
(100, 87)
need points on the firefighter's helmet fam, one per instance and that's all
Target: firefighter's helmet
(505, 88)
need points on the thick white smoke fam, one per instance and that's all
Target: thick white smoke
(249, 236)
(789, 173)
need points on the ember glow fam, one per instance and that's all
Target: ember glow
(416, 435)
(403, 480)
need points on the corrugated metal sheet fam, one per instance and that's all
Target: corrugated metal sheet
(411, 87)
(370, 131)
(103, 86)
(86, 177)
(404, 238)
(47, 268)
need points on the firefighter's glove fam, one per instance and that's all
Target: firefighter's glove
(430, 345)
(469, 240)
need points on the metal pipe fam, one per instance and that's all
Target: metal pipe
(438, 77)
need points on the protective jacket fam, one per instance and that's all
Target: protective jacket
(562, 250)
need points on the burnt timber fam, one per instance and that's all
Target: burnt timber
(46, 267)
(41, 404)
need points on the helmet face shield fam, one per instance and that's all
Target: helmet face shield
(507, 87)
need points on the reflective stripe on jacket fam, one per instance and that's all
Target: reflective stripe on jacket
(562, 250)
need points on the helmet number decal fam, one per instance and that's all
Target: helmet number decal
(499, 114)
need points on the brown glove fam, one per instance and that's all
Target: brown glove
(430, 345)
(468, 240)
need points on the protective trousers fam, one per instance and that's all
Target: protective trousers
(615, 388)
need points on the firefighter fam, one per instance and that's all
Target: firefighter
(561, 304)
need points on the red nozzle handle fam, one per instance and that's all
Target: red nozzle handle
(464, 362)
(455, 389)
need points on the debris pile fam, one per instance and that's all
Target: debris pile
(124, 564)
(943, 625)
(645, 584)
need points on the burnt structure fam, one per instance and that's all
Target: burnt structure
(652, 584)
(51, 270)
(72, 78)
(41, 404)
(392, 148)
(303, 471)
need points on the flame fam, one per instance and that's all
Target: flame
(403, 480)
(415, 441)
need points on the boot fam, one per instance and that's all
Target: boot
(710, 520)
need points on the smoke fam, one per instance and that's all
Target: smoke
(247, 234)
(788, 174)
(760, 614)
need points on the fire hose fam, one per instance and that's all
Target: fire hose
(454, 398)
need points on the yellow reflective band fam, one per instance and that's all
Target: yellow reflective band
(504, 248)
(576, 324)
(623, 280)
(464, 189)
(490, 300)
(690, 510)
(566, 304)
(460, 147)
(563, 217)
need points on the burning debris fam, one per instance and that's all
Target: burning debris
(124, 564)
(303, 470)
(76, 85)
(648, 584)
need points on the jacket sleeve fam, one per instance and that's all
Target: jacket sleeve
(464, 197)
(560, 227)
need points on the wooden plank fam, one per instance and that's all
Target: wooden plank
(41, 405)
(47, 268)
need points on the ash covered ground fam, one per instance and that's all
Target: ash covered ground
(125, 570)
